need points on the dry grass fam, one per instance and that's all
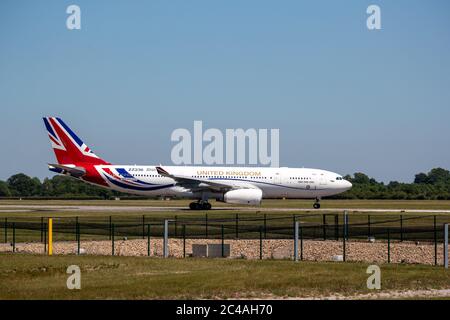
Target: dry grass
(40, 277)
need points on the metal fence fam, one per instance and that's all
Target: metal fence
(339, 227)
(329, 226)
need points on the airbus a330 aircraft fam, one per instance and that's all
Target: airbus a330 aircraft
(237, 185)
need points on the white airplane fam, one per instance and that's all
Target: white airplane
(237, 185)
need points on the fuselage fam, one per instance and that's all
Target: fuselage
(274, 182)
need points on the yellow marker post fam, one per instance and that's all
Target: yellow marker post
(50, 236)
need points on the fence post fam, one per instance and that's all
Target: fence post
(343, 244)
(296, 241)
(175, 221)
(435, 242)
(50, 236)
(301, 243)
(324, 229)
(110, 227)
(446, 246)
(76, 226)
(6, 230)
(336, 226)
(389, 245)
(368, 226)
(237, 225)
(347, 230)
(112, 239)
(184, 241)
(42, 229)
(265, 226)
(14, 236)
(148, 240)
(206, 225)
(260, 242)
(223, 243)
(45, 238)
(143, 226)
(401, 228)
(78, 236)
(166, 239)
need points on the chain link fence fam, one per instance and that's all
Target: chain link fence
(329, 236)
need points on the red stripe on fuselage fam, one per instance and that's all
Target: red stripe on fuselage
(93, 176)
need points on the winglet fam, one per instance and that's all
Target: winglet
(162, 172)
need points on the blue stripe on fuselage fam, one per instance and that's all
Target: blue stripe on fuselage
(125, 174)
(137, 188)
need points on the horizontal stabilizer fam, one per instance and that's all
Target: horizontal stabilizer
(70, 169)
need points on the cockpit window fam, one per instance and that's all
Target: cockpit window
(339, 178)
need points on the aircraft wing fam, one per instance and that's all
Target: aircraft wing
(197, 184)
(72, 170)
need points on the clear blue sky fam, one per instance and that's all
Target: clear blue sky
(344, 98)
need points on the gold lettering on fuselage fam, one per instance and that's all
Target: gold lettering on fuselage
(229, 173)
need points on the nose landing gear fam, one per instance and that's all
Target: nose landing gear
(200, 205)
(316, 204)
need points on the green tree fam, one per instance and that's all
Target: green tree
(421, 178)
(360, 178)
(23, 186)
(4, 190)
(439, 176)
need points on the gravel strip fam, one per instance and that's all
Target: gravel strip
(401, 252)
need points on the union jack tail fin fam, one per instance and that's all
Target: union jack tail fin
(68, 148)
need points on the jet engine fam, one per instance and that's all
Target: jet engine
(243, 196)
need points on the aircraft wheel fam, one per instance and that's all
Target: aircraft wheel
(193, 205)
(316, 205)
(200, 206)
(207, 206)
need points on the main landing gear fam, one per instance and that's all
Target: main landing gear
(316, 204)
(200, 205)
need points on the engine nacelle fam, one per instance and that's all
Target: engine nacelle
(243, 196)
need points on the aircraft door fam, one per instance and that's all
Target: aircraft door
(322, 180)
(278, 180)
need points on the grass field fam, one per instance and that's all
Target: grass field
(103, 277)
(40, 277)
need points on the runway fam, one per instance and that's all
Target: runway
(89, 208)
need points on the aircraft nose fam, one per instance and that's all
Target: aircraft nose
(347, 184)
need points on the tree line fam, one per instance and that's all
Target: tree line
(22, 186)
(434, 185)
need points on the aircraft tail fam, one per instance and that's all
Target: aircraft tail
(68, 147)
